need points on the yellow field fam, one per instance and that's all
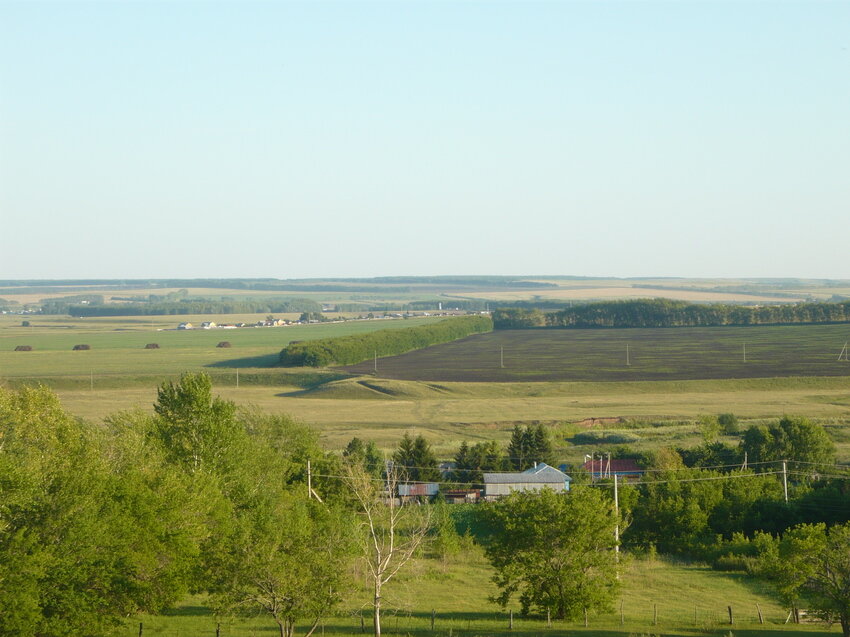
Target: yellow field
(484, 411)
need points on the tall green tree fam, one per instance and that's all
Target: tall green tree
(415, 460)
(195, 428)
(289, 558)
(472, 462)
(811, 565)
(92, 528)
(365, 453)
(796, 439)
(528, 446)
(555, 550)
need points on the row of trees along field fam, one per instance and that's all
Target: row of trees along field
(100, 522)
(349, 350)
(667, 313)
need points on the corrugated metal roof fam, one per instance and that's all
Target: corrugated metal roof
(615, 465)
(541, 474)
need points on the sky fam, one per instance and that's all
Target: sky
(348, 139)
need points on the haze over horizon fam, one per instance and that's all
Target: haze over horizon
(358, 139)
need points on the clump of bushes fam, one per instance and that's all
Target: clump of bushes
(81, 347)
(349, 350)
(729, 423)
(603, 437)
(152, 346)
(224, 344)
(23, 348)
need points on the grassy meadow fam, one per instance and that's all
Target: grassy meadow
(117, 344)
(659, 413)
(690, 599)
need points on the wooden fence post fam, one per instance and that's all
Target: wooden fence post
(761, 617)
(433, 613)
(655, 614)
(622, 616)
(511, 620)
(731, 619)
(362, 624)
(218, 630)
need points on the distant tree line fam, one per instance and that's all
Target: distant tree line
(186, 307)
(60, 305)
(349, 350)
(667, 313)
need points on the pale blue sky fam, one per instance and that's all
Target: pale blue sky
(307, 139)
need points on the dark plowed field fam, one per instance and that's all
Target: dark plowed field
(600, 355)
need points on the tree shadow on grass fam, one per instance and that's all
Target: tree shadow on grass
(189, 610)
(266, 360)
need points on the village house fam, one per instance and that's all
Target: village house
(540, 476)
(606, 468)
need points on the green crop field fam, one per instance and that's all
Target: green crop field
(690, 599)
(627, 354)
(117, 344)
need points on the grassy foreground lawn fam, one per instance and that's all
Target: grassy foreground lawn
(690, 600)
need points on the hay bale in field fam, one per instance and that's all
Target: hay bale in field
(23, 348)
(152, 346)
(79, 348)
(224, 344)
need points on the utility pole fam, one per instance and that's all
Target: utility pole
(627, 355)
(617, 527)
(310, 492)
(502, 357)
(376, 361)
(745, 352)
(785, 479)
(237, 377)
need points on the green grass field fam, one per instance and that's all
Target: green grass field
(690, 600)
(117, 344)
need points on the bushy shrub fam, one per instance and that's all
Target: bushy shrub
(732, 563)
(224, 344)
(23, 348)
(729, 423)
(603, 437)
(81, 347)
(152, 346)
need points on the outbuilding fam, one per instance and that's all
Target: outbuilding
(540, 476)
